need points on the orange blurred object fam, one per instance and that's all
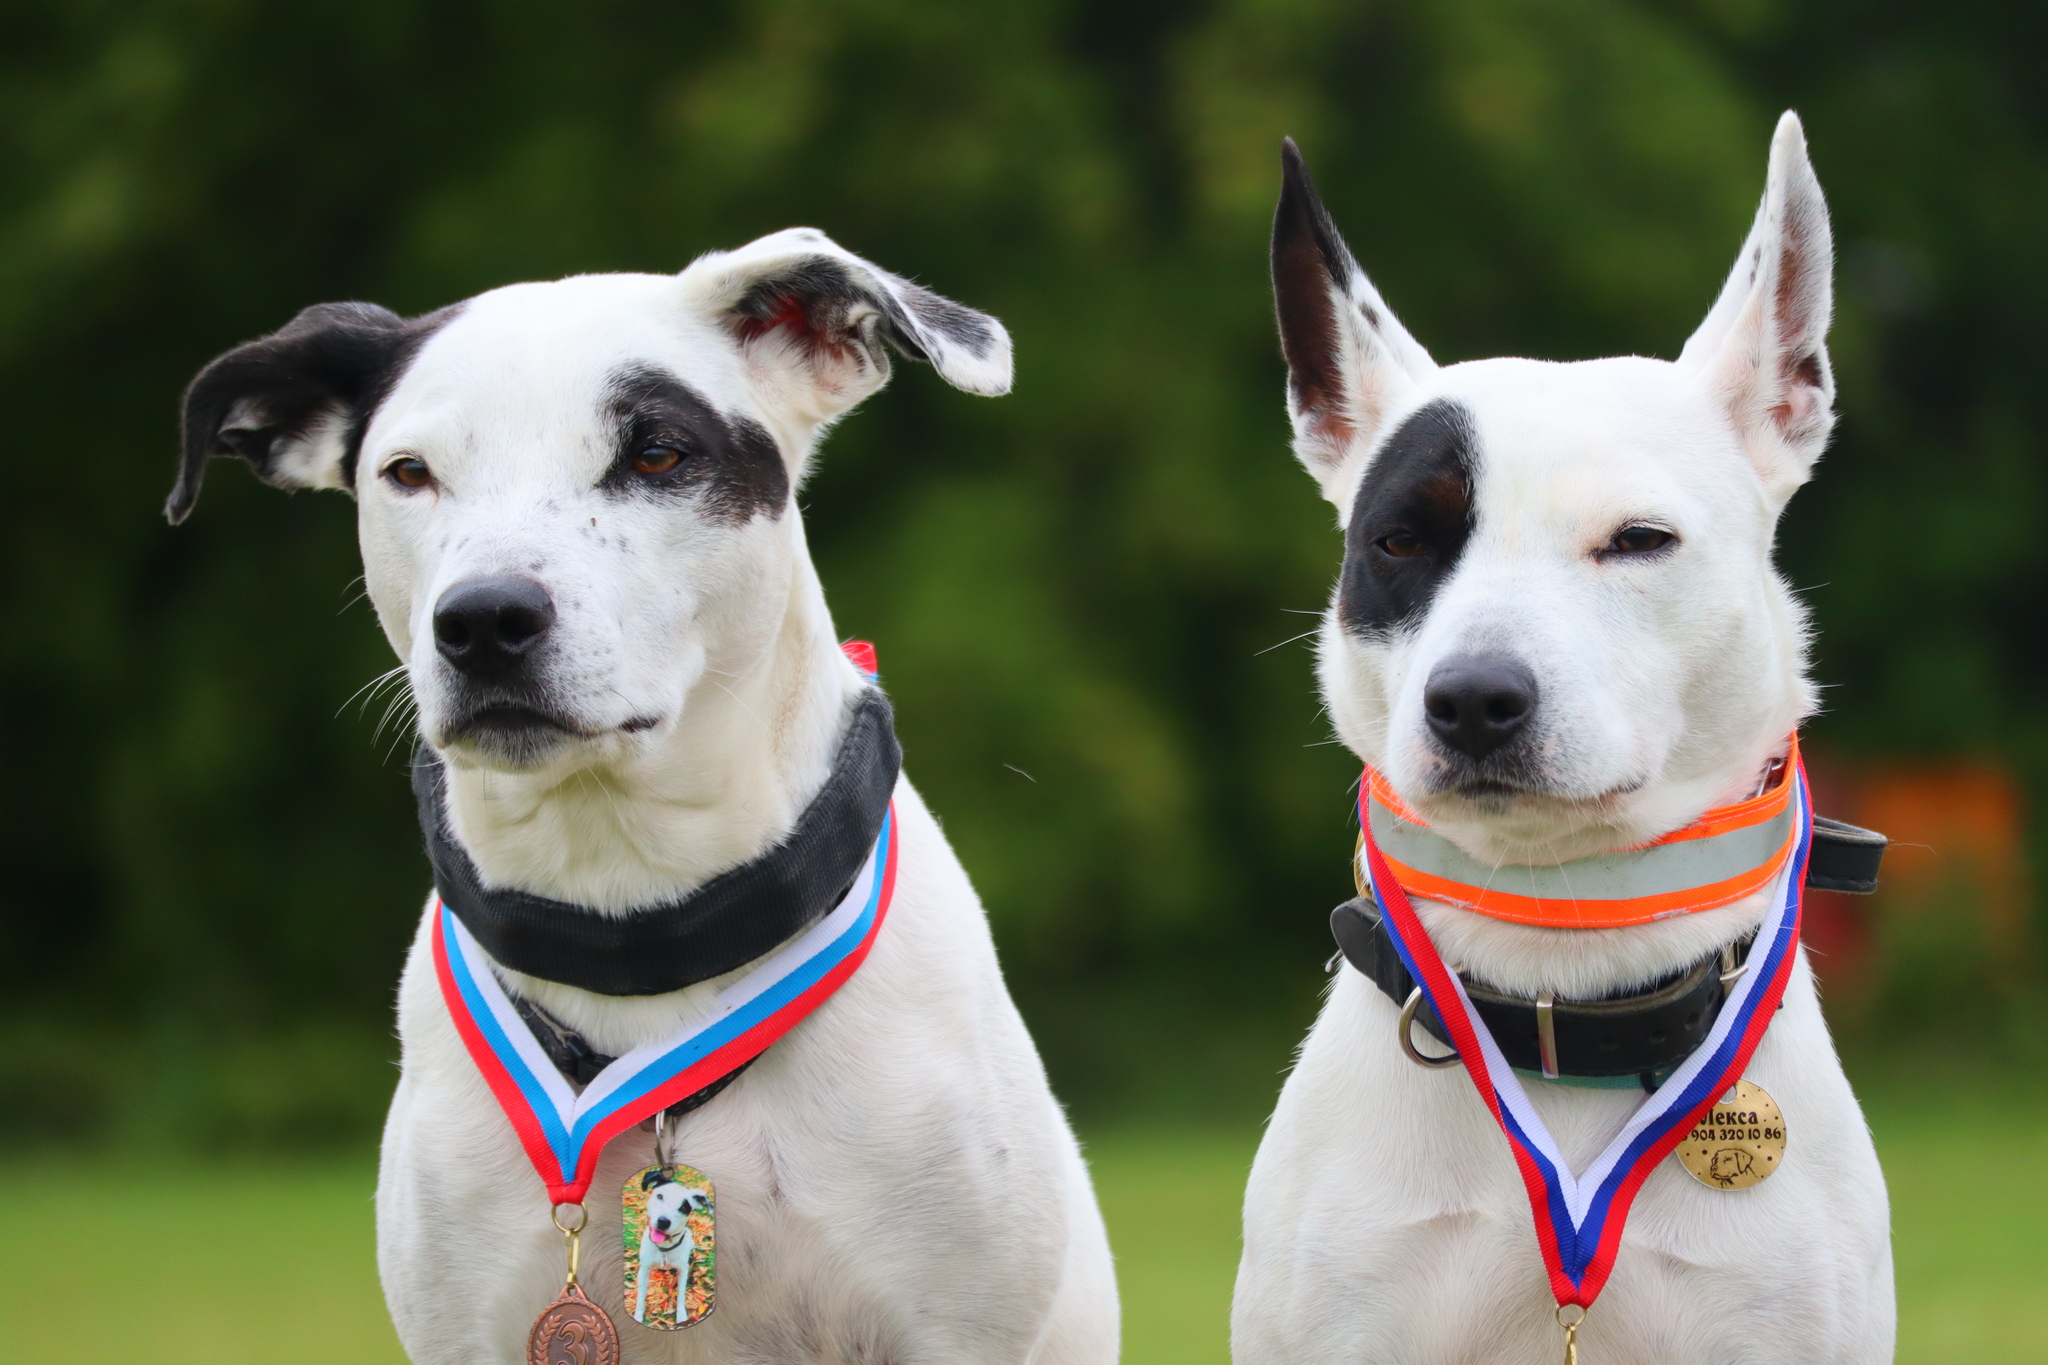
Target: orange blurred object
(1957, 830)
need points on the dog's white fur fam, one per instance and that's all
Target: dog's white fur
(895, 1181)
(674, 1202)
(1385, 1219)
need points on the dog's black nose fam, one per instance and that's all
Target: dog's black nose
(1478, 702)
(488, 625)
(661, 1223)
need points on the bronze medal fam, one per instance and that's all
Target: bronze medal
(671, 1254)
(572, 1331)
(1739, 1142)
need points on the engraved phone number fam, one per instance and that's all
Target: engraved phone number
(1759, 1134)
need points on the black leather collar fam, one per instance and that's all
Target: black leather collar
(1642, 1034)
(1645, 1033)
(729, 921)
(1844, 857)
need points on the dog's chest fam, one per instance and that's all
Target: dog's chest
(1386, 1218)
(853, 1162)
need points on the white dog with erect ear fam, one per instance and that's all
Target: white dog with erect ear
(577, 514)
(1559, 635)
(665, 1239)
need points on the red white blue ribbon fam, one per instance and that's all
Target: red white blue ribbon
(1579, 1218)
(563, 1131)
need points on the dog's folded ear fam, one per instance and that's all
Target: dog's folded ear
(816, 323)
(1763, 346)
(1350, 362)
(649, 1179)
(293, 404)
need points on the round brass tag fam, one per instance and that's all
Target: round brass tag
(572, 1331)
(1739, 1142)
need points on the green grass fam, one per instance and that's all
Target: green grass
(274, 1265)
(119, 1262)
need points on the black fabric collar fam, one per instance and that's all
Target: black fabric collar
(1645, 1033)
(729, 921)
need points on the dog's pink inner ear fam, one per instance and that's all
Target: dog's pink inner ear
(814, 324)
(1309, 342)
(1801, 395)
(786, 311)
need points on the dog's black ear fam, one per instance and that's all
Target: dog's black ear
(649, 1179)
(1763, 347)
(294, 403)
(817, 323)
(1350, 362)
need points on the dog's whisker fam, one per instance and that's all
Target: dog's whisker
(368, 691)
(1307, 634)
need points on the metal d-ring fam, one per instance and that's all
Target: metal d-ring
(1415, 1055)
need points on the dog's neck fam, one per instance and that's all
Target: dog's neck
(725, 782)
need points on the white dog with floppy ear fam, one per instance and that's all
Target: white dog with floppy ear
(579, 530)
(1558, 633)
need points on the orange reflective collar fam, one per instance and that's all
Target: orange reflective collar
(1728, 853)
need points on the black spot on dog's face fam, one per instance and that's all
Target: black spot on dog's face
(1410, 520)
(672, 443)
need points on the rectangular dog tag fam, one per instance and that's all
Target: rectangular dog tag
(671, 1255)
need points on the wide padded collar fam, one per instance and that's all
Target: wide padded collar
(731, 920)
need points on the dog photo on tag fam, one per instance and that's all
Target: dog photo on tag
(670, 1253)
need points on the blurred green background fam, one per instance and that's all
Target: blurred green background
(209, 858)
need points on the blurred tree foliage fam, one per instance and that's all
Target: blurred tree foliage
(210, 867)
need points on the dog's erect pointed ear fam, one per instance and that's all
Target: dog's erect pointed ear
(293, 404)
(1350, 362)
(817, 322)
(1763, 347)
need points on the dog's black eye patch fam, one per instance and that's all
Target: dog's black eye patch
(730, 464)
(1410, 520)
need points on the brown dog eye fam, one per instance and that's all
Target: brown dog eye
(1640, 540)
(409, 473)
(657, 459)
(1402, 545)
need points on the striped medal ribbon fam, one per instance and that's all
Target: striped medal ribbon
(563, 1131)
(1579, 1218)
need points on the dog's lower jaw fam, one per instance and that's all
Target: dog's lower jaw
(510, 751)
